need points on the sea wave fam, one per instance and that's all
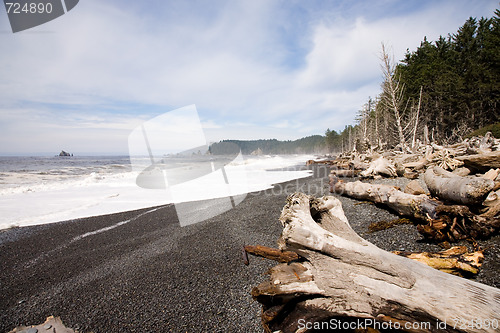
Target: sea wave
(43, 197)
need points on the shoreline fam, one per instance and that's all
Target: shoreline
(150, 274)
(92, 194)
(174, 274)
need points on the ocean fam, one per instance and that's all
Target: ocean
(39, 190)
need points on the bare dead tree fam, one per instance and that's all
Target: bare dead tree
(375, 115)
(416, 119)
(392, 95)
(364, 121)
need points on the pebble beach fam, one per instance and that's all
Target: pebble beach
(151, 274)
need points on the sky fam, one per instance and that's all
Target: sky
(255, 69)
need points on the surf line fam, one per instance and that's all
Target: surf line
(95, 232)
(87, 234)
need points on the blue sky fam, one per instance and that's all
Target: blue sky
(254, 69)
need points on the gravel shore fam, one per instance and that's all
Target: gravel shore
(150, 274)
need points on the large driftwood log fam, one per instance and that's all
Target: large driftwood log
(342, 275)
(451, 187)
(418, 206)
(481, 162)
(439, 222)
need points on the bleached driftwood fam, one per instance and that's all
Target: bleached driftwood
(321, 162)
(418, 206)
(438, 221)
(492, 204)
(414, 187)
(462, 172)
(445, 159)
(451, 187)
(358, 162)
(407, 158)
(342, 275)
(487, 143)
(380, 166)
(476, 145)
(492, 174)
(418, 165)
(481, 161)
(344, 173)
(407, 173)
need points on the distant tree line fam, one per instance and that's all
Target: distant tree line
(440, 92)
(310, 144)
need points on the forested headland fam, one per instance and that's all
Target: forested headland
(443, 92)
(310, 144)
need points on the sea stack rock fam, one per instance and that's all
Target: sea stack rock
(63, 153)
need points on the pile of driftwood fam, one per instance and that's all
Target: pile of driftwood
(329, 278)
(463, 183)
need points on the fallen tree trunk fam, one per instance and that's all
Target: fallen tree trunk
(481, 162)
(450, 187)
(321, 162)
(342, 275)
(418, 206)
(439, 222)
(418, 165)
(344, 173)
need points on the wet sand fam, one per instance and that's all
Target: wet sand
(150, 274)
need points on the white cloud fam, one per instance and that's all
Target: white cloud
(253, 68)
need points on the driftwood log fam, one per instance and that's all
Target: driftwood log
(344, 173)
(451, 187)
(418, 206)
(340, 276)
(380, 166)
(492, 204)
(481, 162)
(437, 220)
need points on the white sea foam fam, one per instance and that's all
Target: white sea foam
(34, 198)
